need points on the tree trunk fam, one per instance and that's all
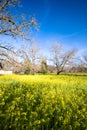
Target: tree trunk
(58, 72)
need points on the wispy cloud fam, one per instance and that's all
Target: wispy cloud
(74, 34)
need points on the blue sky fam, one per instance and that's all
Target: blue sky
(64, 21)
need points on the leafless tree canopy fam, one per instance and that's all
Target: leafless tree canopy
(8, 24)
(29, 58)
(11, 27)
(8, 56)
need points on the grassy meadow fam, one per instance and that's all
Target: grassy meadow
(43, 102)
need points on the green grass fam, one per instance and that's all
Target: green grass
(43, 102)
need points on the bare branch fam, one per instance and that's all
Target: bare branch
(6, 19)
(4, 5)
(60, 58)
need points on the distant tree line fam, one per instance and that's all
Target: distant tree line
(29, 60)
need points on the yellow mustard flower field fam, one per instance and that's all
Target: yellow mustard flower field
(43, 102)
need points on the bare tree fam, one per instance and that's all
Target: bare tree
(60, 58)
(10, 26)
(30, 58)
